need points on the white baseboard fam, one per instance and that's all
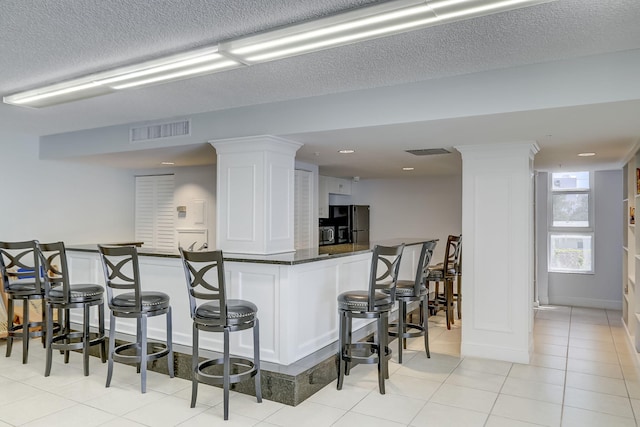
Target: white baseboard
(586, 302)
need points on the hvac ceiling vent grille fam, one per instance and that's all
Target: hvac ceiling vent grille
(428, 151)
(160, 131)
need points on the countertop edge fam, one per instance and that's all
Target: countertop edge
(298, 257)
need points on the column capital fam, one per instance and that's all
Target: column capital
(505, 149)
(256, 143)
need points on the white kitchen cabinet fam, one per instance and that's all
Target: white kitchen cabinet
(339, 186)
(330, 185)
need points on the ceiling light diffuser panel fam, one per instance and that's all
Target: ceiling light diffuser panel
(381, 20)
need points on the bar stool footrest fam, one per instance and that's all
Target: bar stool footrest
(155, 350)
(364, 352)
(73, 340)
(417, 332)
(235, 362)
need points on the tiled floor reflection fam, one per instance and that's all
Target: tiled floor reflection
(583, 373)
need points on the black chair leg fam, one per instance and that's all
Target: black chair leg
(424, 322)
(85, 338)
(112, 346)
(401, 328)
(341, 349)
(256, 359)
(25, 330)
(49, 333)
(143, 354)
(103, 344)
(170, 366)
(9, 326)
(194, 367)
(226, 372)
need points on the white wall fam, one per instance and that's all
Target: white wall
(53, 200)
(412, 207)
(603, 289)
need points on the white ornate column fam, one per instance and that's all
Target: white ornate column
(497, 250)
(255, 191)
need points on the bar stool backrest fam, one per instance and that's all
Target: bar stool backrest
(19, 261)
(53, 259)
(121, 272)
(384, 271)
(422, 271)
(204, 272)
(452, 255)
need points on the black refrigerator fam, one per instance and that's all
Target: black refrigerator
(354, 219)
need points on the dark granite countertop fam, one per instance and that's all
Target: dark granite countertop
(290, 258)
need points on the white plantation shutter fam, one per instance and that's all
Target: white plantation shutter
(303, 218)
(154, 212)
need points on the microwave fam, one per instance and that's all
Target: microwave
(327, 235)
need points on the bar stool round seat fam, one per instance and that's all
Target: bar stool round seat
(150, 300)
(78, 293)
(359, 300)
(205, 277)
(369, 304)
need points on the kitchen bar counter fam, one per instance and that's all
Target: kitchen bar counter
(296, 294)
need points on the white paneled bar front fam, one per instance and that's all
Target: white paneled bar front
(497, 244)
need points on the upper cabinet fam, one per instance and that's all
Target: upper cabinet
(330, 185)
(338, 185)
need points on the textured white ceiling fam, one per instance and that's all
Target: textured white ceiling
(52, 40)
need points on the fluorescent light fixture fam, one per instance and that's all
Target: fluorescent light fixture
(393, 17)
(586, 154)
(174, 67)
(408, 169)
(385, 19)
(347, 151)
(167, 163)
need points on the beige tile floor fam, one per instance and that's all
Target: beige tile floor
(583, 373)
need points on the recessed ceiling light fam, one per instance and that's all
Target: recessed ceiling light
(167, 163)
(586, 154)
(347, 151)
(408, 169)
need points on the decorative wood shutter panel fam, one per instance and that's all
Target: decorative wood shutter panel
(154, 212)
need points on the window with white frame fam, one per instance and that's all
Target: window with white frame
(571, 223)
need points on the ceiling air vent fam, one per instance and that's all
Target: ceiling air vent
(160, 131)
(428, 151)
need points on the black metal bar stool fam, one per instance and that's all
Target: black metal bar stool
(204, 272)
(408, 291)
(22, 281)
(374, 303)
(446, 272)
(122, 273)
(62, 296)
